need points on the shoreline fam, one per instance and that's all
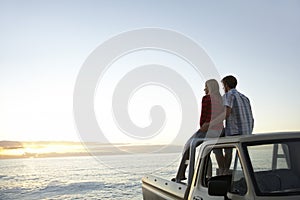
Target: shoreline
(65, 149)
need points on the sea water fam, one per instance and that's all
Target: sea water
(102, 177)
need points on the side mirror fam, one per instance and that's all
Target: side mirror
(217, 187)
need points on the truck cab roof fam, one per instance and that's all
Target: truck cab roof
(258, 137)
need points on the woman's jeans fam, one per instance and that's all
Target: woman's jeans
(186, 151)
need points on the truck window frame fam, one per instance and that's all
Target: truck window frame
(208, 151)
(250, 167)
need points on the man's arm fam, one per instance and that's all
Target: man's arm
(228, 111)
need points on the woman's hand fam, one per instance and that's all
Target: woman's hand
(204, 127)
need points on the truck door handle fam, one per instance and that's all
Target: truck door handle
(197, 198)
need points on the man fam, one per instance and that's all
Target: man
(238, 120)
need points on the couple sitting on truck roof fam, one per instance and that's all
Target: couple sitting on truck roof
(234, 108)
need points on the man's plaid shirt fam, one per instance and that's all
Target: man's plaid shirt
(240, 120)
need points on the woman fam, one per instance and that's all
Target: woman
(212, 107)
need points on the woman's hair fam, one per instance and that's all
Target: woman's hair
(213, 86)
(215, 97)
(214, 90)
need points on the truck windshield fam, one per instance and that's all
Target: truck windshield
(275, 167)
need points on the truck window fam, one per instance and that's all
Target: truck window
(275, 156)
(275, 167)
(229, 166)
(238, 184)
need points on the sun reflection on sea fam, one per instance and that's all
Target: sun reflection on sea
(42, 149)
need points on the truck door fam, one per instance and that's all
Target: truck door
(213, 166)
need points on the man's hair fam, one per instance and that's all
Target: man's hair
(230, 81)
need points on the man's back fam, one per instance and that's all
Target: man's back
(240, 121)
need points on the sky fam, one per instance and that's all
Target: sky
(44, 45)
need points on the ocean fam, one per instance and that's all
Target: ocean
(85, 177)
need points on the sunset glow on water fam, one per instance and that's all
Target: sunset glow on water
(10, 149)
(39, 149)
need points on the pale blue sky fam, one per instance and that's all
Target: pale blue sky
(44, 43)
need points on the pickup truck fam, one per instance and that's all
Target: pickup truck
(263, 166)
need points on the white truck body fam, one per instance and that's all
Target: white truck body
(264, 166)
